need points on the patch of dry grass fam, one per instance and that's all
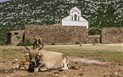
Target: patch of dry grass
(103, 52)
(11, 53)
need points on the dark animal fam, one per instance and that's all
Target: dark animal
(37, 42)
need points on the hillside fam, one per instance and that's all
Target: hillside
(15, 14)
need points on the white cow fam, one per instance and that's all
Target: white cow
(46, 60)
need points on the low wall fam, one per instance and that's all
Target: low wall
(94, 39)
(112, 35)
(58, 33)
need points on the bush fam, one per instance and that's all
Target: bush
(77, 42)
(52, 43)
(25, 43)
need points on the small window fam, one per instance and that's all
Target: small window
(16, 33)
(78, 18)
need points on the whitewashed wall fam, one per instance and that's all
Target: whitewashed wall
(70, 20)
(74, 23)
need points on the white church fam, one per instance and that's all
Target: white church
(74, 19)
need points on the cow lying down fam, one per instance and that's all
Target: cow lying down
(42, 60)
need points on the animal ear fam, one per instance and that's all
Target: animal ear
(27, 48)
(40, 47)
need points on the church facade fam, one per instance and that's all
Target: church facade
(75, 19)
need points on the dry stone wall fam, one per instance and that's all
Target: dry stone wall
(112, 35)
(94, 39)
(57, 34)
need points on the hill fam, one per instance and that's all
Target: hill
(15, 14)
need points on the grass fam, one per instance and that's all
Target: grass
(11, 54)
(103, 54)
(110, 53)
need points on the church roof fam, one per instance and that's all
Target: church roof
(75, 9)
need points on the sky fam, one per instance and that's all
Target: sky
(4, 0)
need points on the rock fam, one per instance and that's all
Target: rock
(81, 74)
(115, 73)
(3, 61)
(73, 67)
(16, 60)
(13, 62)
(76, 62)
(104, 75)
(6, 71)
(56, 73)
(80, 45)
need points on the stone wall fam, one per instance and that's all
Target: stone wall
(57, 34)
(15, 37)
(94, 39)
(112, 35)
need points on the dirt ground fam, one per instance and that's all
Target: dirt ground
(78, 67)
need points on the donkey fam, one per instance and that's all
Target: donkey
(37, 42)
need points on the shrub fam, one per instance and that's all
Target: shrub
(25, 43)
(52, 43)
(77, 42)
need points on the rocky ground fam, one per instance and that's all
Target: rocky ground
(78, 67)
